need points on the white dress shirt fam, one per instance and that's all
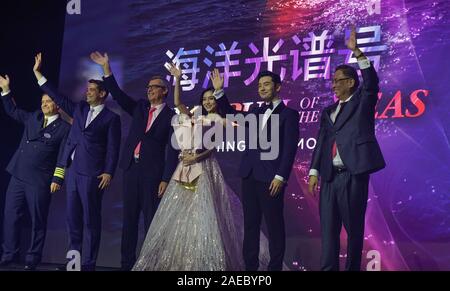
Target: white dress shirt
(51, 119)
(158, 110)
(219, 93)
(337, 161)
(95, 112)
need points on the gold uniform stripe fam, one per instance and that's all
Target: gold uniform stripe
(59, 172)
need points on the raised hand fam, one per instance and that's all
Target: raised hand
(351, 41)
(37, 62)
(37, 66)
(175, 71)
(216, 79)
(4, 83)
(100, 59)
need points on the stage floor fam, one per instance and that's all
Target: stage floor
(45, 267)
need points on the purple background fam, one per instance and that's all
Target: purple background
(408, 210)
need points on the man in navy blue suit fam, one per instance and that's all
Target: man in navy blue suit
(90, 156)
(346, 153)
(264, 180)
(35, 174)
(148, 159)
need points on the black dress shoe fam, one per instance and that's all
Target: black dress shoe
(61, 268)
(88, 268)
(29, 267)
(126, 268)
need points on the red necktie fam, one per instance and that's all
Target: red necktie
(334, 148)
(137, 150)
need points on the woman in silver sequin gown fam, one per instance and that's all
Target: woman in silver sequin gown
(198, 224)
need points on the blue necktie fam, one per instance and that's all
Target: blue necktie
(89, 117)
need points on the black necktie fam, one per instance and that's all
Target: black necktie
(267, 106)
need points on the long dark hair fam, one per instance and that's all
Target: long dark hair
(204, 112)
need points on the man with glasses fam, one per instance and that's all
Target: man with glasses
(148, 159)
(346, 153)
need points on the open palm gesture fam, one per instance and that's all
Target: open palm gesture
(175, 71)
(351, 42)
(37, 62)
(216, 79)
(100, 59)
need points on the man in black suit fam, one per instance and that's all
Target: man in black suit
(346, 153)
(148, 159)
(264, 179)
(35, 174)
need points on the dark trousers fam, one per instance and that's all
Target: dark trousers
(343, 200)
(140, 194)
(18, 196)
(257, 202)
(84, 212)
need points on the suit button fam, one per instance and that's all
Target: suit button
(28, 141)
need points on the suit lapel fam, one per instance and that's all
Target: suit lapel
(347, 112)
(158, 119)
(97, 118)
(84, 114)
(37, 130)
(330, 110)
(277, 110)
(53, 125)
(34, 129)
(50, 130)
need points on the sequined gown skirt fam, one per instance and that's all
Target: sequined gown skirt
(195, 229)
